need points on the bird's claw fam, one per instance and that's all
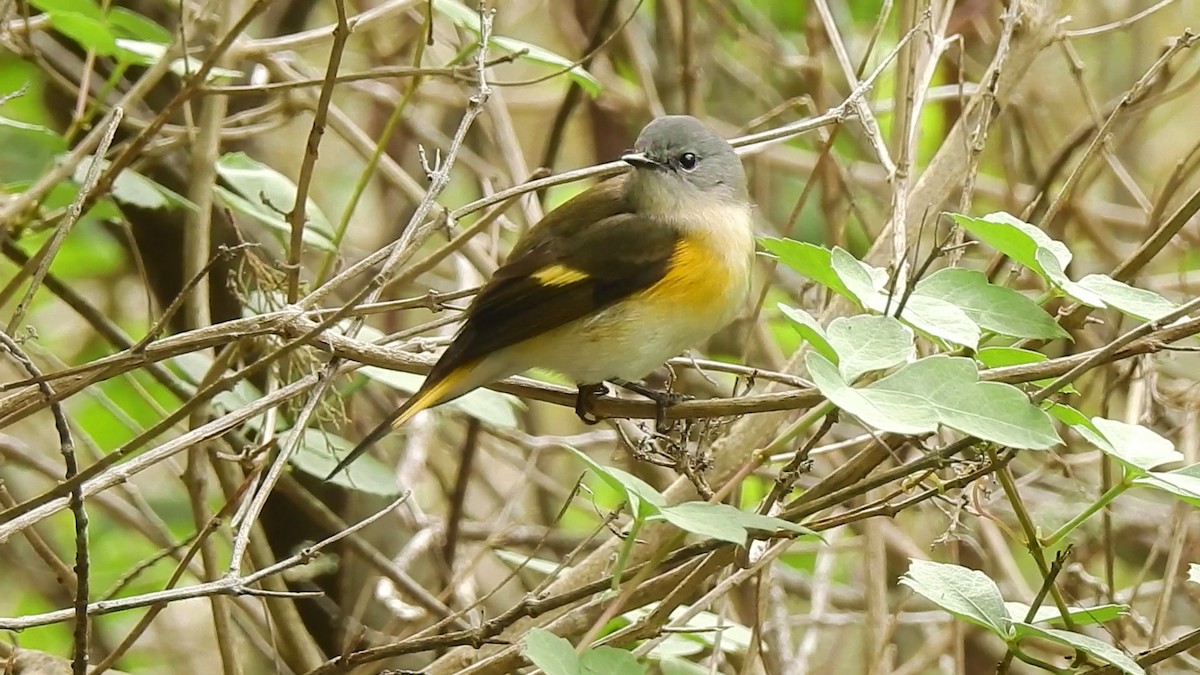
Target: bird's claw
(585, 399)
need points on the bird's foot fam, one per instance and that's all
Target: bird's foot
(585, 399)
(662, 400)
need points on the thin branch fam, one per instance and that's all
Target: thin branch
(79, 653)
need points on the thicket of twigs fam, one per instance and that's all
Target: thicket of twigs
(286, 225)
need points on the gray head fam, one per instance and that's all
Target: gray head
(678, 161)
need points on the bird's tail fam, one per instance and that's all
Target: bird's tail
(431, 393)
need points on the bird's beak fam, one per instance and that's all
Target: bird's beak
(639, 160)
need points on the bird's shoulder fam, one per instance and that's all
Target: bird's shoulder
(596, 233)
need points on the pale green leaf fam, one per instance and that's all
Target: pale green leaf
(940, 390)
(994, 308)
(722, 521)
(897, 412)
(149, 53)
(868, 343)
(320, 452)
(526, 562)
(968, 594)
(550, 652)
(609, 661)
(735, 637)
(1057, 276)
(1014, 238)
(267, 195)
(942, 320)
(675, 666)
(24, 126)
(1182, 483)
(1085, 643)
(1139, 449)
(810, 329)
(864, 282)
(673, 645)
(1080, 615)
(1136, 302)
(468, 19)
(135, 189)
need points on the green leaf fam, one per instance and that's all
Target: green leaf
(722, 521)
(1068, 415)
(134, 189)
(1136, 302)
(320, 452)
(468, 19)
(1080, 615)
(1014, 238)
(267, 195)
(1137, 448)
(490, 407)
(135, 26)
(87, 8)
(868, 343)
(994, 308)
(1057, 276)
(940, 390)
(968, 594)
(1085, 643)
(999, 357)
(551, 653)
(643, 499)
(808, 259)
(91, 33)
(609, 661)
(810, 329)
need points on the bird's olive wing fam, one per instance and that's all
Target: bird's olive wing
(559, 279)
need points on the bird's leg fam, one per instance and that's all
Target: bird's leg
(585, 398)
(662, 400)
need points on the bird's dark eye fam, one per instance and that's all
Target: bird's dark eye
(688, 161)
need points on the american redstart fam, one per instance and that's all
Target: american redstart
(614, 282)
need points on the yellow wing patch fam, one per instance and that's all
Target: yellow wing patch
(558, 275)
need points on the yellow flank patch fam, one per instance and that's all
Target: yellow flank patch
(558, 275)
(697, 278)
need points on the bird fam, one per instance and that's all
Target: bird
(614, 282)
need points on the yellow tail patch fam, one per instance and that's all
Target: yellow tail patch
(427, 398)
